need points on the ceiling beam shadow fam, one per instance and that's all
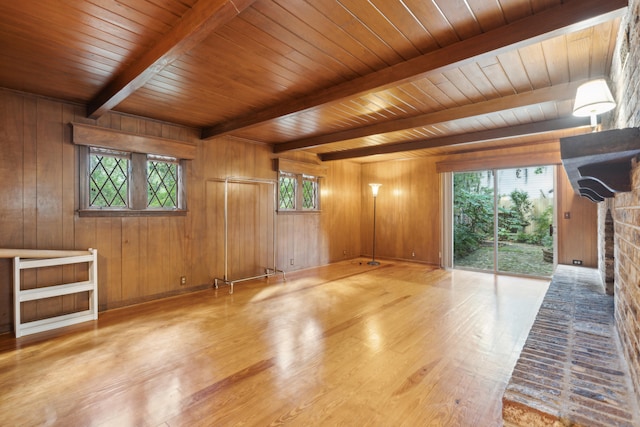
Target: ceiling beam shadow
(204, 17)
(566, 18)
(466, 138)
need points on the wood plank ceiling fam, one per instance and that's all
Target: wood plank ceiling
(340, 78)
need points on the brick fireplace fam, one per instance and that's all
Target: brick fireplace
(571, 371)
(568, 373)
(606, 258)
(625, 207)
(626, 217)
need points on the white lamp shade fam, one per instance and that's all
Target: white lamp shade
(374, 189)
(593, 98)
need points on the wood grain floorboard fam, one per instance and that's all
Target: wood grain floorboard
(345, 344)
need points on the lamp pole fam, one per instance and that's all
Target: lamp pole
(374, 190)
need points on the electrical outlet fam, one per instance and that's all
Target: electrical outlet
(577, 262)
(344, 252)
(291, 261)
(413, 254)
(183, 280)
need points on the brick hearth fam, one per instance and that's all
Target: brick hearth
(571, 371)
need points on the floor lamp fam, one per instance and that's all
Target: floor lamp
(374, 190)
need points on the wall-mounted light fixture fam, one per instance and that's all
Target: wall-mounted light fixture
(374, 190)
(593, 98)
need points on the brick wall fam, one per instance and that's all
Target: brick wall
(627, 274)
(606, 260)
(625, 78)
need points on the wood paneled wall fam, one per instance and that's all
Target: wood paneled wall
(578, 234)
(408, 217)
(142, 258)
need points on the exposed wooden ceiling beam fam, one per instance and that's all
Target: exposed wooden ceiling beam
(481, 136)
(568, 17)
(538, 96)
(203, 18)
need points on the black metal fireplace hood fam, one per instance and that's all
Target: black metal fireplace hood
(598, 164)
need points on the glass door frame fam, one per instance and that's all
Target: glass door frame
(446, 203)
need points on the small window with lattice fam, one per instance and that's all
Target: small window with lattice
(118, 183)
(309, 192)
(298, 192)
(108, 178)
(162, 182)
(287, 191)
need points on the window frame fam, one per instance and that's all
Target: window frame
(315, 183)
(137, 187)
(299, 192)
(294, 177)
(105, 152)
(169, 160)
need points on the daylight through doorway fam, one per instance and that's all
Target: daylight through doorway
(503, 220)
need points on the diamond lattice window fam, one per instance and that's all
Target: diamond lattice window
(288, 184)
(309, 192)
(108, 179)
(162, 182)
(298, 192)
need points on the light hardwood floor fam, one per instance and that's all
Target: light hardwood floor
(346, 344)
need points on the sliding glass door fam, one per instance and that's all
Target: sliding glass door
(503, 220)
(474, 220)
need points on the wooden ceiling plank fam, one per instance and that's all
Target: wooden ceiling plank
(476, 77)
(602, 38)
(548, 94)
(580, 57)
(428, 13)
(128, 16)
(465, 86)
(431, 91)
(245, 47)
(417, 98)
(517, 75)
(559, 20)
(253, 38)
(74, 33)
(270, 47)
(407, 23)
(399, 100)
(57, 58)
(453, 91)
(556, 57)
(488, 14)
(474, 137)
(159, 12)
(538, 5)
(344, 20)
(299, 47)
(176, 7)
(380, 21)
(497, 75)
(319, 35)
(195, 25)
(531, 56)
(467, 24)
(515, 9)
